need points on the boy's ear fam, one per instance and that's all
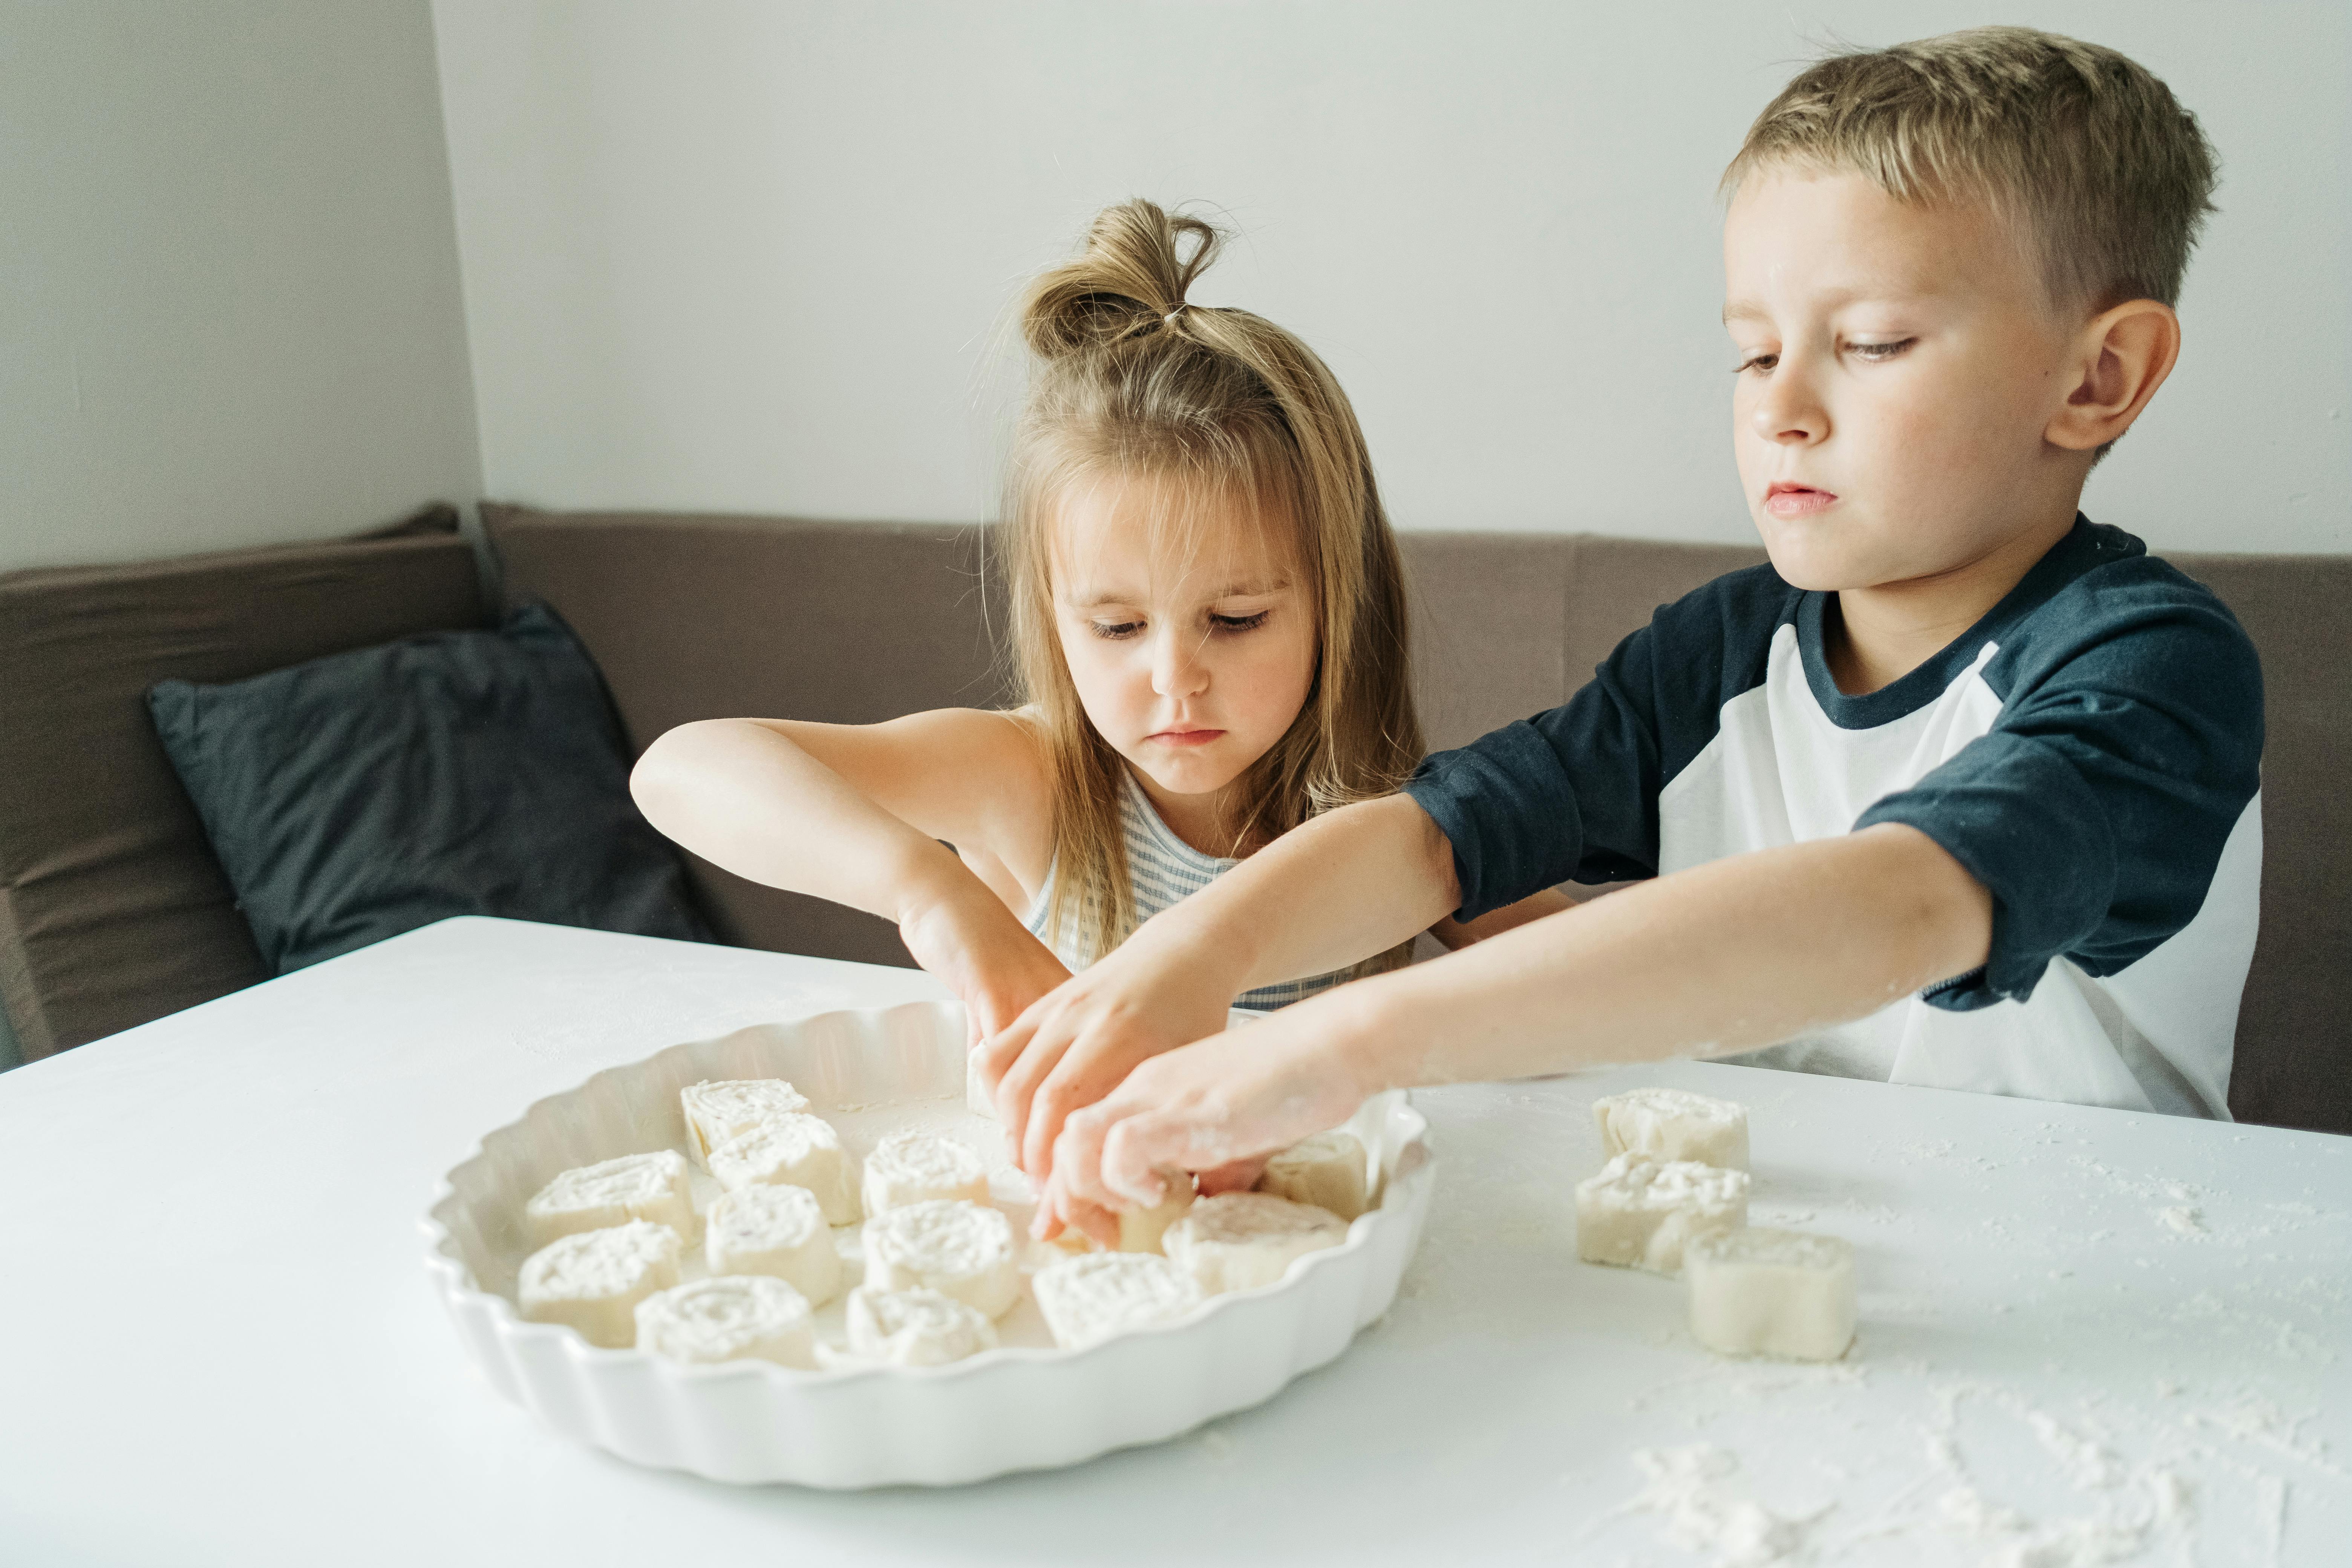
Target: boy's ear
(2125, 353)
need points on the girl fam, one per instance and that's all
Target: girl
(1208, 626)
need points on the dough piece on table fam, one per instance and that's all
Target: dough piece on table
(1145, 1230)
(957, 1249)
(1328, 1170)
(916, 1328)
(778, 1231)
(1638, 1213)
(741, 1317)
(612, 1192)
(728, 1108)
(1087, 1300)
(790, 1150)
(921, 1167)
(1670, 1124)
(1771, 1292)
(1239, 1241)
(593, 1281)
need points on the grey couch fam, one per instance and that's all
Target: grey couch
(697, 617)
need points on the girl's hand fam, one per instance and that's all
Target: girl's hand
(1074, 1045)
(990, 960)
(1234, 1096)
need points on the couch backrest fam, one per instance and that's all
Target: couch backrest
(112, 909)
(705, 616)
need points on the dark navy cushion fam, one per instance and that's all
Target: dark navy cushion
(471, 773)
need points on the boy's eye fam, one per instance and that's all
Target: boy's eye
(1756, 362)
(1881, 351)
(1115, 631)
(1238, 623)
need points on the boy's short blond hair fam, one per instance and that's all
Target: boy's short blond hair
(2086, 153)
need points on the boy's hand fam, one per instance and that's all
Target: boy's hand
(992, 963)
(1231, 1098)
(1072, 1047)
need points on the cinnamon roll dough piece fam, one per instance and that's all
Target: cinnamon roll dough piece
(778, 1231)
(1638, 1213)
(1670, 1124)
(791, 1151)
(921, 1167)
(740, 1316)
(1087, 1300)
(1329, 1171)
(718, 1110)
(612, 1192)
(915, 1328)
(955, 1248)
(592, 1281)
(1239, 1241)
(1771, 1292)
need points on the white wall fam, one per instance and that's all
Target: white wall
(230, 312)
(229, 278)
(749, 254)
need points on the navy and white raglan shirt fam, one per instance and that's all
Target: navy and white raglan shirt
(2091, 750)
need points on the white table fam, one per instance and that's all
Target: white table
(217, 1344)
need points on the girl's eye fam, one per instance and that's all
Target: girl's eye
(1116, 630)
(1757, 362)
(1238, 623)
(1877, 351)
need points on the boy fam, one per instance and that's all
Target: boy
(1961, 790)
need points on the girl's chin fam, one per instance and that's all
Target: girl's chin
(1183, 774)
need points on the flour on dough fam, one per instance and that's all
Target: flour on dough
(1639, 1212)
(957, 1249)
(774, 1230)
(613, 1192)
(793, 1150)
(1087, 1300)
(592, 1281)
(1771, 1292)
(915, 1328)
(1239, 1241)
(742, 1317)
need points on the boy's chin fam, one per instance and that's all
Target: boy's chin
(1811, 559)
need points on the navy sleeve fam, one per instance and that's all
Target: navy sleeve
(1571, 795)
(2095, 809)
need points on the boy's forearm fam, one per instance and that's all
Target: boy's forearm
(1738, 954)
(1327, 893)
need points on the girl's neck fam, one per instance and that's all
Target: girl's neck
(1201, 821)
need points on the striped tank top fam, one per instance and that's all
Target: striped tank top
(1163, 869)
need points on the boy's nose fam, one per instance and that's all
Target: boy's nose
(1788, 412)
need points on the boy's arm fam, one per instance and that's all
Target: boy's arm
(1331, 892)
(855, 814)
(1735, 954)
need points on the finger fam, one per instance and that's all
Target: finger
(1237, 1177)
(1136, 1147)
(1016, 1092)
(1000, 1050)
(1077, 1157)
(1085, 1073)
(1097, 1223)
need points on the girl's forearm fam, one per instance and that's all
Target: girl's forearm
(1333, 890)
(1738, 953)
(746, 799)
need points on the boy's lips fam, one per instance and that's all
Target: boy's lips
(1785, 500)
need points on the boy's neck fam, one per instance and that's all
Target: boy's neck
(1874, 636)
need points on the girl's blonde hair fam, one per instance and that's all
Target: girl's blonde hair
(1222, 408)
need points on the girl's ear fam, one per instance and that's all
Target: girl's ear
(2125, 353)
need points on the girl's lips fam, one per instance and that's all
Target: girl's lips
(1797, 500)
(1187, 736)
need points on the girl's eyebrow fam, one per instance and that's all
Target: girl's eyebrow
(1093, 599)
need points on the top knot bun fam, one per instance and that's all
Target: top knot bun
(1133, 275)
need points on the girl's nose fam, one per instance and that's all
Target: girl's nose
(1177, 670)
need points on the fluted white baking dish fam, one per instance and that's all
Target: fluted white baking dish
(1023, 1406)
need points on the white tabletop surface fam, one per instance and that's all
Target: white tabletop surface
(2087, 1336)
